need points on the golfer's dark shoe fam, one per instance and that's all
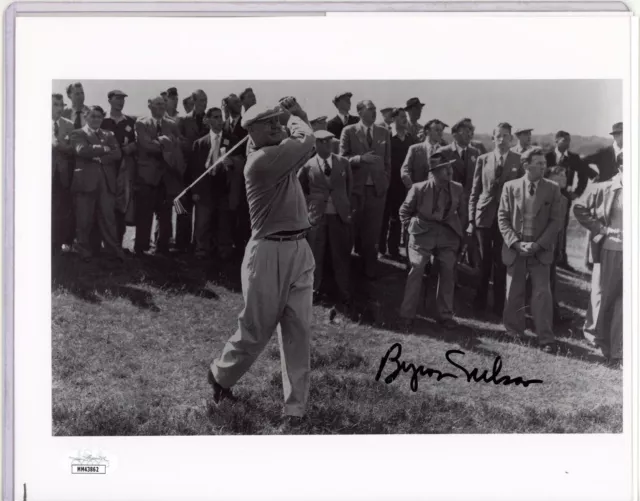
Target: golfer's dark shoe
(219, 393)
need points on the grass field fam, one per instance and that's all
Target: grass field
(132, 344)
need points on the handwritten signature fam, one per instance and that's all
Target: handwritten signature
(88, 458)
(394, 352)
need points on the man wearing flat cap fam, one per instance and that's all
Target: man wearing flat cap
(387, 119)
(523, 138)
(414, 111)
(342, 102)
(278, 266)
(123, 127)
(327, 181)
(415, 168)
(433, 211)
(368, 148)
(492, 171)
(172, 104)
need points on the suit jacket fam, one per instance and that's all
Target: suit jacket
(418, 208)
(235, 135)
(548, 221)
(479, 146)
(416, 130)
(155, 163)
(317, 188)
(353, 144)
(593, 211)
(335, 125)
(606, 161)
(462, 171)
(62, 155)
(485, 191)
(415, 167)
(212, 186)
(93, 162)
(575, 166)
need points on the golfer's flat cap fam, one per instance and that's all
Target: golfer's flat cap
(437, 160)
(323, 134)
(318, 119)
(259, 113)
(341, 95)
(115, 93)
(521, 131)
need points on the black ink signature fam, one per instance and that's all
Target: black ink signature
(393, 355)
(90, 459)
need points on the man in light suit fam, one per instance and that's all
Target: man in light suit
(530, 217)
(368, 148)
(94, 184)
(492, 171)
(414, 111)
(415, 167)
(327, 181)
(523, 136)
(342, 102)
(435, 213)
(601, 212)
(160, 174)
(211, 194)
(62, 217)
(78, 110)
(192, 128)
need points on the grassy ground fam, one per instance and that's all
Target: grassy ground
(132, 344)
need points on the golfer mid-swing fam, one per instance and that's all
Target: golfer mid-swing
(278, 265)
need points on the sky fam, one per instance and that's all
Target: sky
(581, 107)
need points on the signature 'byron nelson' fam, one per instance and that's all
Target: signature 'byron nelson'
(394, 352)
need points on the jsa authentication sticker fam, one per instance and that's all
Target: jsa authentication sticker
(87, 462)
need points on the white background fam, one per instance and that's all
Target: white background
(491, 467)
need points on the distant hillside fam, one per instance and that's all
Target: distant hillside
(579, 144)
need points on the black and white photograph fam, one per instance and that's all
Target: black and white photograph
(336, 257)
(307, 255)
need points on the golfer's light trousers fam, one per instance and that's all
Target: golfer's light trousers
(277, 285)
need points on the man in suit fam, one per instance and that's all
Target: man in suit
(476, 144)
(401, 142)
(211, 194)
(414, 111)
(187, 104)
(123, 127)
(62, 217)
(530, 217)
(247, 98)
(434, 212)
(368, 148)
(523, 138)
(601, 212)
(94, 184)
(160, 174)
(238, 207)
(574, 167)
(415, 167)
(172, 104)
(277, 272)
(342, 102)
(327, 181)
(608, 160)
(492, 171)
(462, 153)
(78, 110)
(192, 128)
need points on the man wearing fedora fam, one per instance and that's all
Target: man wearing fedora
(342, 102)
(523, 138)
(414, 111)
(435, 214)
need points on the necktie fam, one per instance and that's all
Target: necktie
(158, 128)
(464, 156)
(327, 168)
(345, 120)
(78, 121)
(561, 159)
(216, 147)
(532, 189)
(56, 128)
(369, 137)
(499, 168)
